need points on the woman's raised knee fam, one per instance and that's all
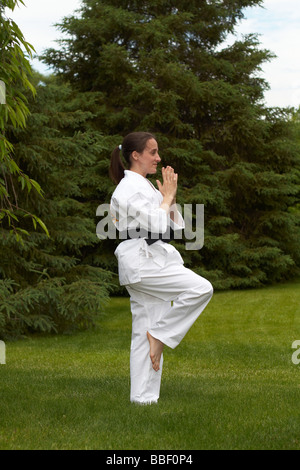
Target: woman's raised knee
(203, 288)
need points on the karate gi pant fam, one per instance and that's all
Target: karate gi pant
(166, 302)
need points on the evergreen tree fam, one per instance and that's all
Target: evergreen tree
(161, 66)
(15, 76)
(55, 284)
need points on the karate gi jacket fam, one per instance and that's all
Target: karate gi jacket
(135, 205)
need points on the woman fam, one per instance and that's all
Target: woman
(165, 297)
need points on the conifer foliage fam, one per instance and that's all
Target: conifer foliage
(161, 66)
(54, 283)
(15, 76)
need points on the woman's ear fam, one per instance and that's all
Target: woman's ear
(135, 155)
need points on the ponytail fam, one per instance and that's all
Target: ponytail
(116, 169)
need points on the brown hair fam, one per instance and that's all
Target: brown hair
(136, 141)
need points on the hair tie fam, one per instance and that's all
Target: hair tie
(120, 147)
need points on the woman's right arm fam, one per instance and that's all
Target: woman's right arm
(138, 210)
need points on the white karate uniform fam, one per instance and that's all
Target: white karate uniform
(166, 298)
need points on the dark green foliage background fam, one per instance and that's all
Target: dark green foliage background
(158, 66)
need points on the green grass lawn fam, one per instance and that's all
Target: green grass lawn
(230, 384)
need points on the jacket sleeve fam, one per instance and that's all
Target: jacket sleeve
(145, 215)
(179, 224)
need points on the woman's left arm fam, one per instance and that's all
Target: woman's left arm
(175, 216)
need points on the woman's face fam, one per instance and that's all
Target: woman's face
(146, 162)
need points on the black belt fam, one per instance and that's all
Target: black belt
(149, 237)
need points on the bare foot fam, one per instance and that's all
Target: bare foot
(156, 349)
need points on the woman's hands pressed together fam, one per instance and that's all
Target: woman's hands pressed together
(168, 188)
